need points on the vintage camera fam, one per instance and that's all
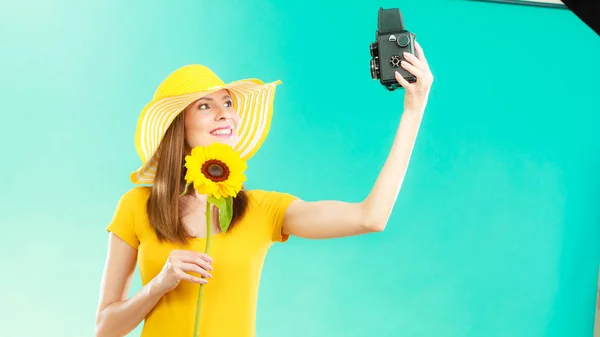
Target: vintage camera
(391, 41)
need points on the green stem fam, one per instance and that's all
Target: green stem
(206, 249)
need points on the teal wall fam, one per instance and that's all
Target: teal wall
(495, 233)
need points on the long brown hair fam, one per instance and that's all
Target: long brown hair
(169, 183)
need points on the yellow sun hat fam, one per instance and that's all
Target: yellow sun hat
(252, 98)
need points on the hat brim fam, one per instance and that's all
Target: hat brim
(252, 98)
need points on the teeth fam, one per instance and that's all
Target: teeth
(222, 132)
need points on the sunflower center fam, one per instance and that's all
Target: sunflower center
(215, 170)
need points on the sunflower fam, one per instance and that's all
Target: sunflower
(216, 170)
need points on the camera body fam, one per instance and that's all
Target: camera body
(391, 41)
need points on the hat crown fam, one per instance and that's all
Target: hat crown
(188, 79)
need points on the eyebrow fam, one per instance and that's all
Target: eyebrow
(210, 99)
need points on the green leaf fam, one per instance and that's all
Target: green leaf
(185, 189)
(225, 206)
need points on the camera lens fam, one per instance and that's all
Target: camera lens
(403, 40)
(374, 70)
(374, 49)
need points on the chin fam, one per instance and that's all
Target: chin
(228, 141)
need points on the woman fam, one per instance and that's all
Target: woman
(165, 234)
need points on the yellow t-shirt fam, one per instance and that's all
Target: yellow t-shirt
(230, 297)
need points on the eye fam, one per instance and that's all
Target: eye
(203, 106)
(229, 104)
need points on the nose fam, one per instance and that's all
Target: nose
(223, 114)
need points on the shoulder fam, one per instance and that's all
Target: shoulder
(137, 194)
(129, 212)
(272, 203)
(135, 199)
(265, 198)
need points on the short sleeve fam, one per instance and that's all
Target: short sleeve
(275, 205)
(124, 218)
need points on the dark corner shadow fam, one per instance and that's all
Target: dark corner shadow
(588, 11)
(535, 3)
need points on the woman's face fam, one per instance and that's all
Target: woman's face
(211, 119)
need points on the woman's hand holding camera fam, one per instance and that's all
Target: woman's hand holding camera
(416, 95)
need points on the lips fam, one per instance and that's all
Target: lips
(223, 132)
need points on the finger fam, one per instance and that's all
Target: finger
(401, 80)
(190, 278)
(197, 261)
(412, 69)
(195, 268)
(414, 60)
(420, 53)
(205, 257)
(194, 255)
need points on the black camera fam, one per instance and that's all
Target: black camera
(391, 41)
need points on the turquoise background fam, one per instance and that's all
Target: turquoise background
(496, 230)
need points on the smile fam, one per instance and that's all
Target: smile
(222, 132)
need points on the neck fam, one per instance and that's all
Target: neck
(202, 197)
(193, 193)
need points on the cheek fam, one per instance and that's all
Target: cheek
(196, 122)
(237, 121)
